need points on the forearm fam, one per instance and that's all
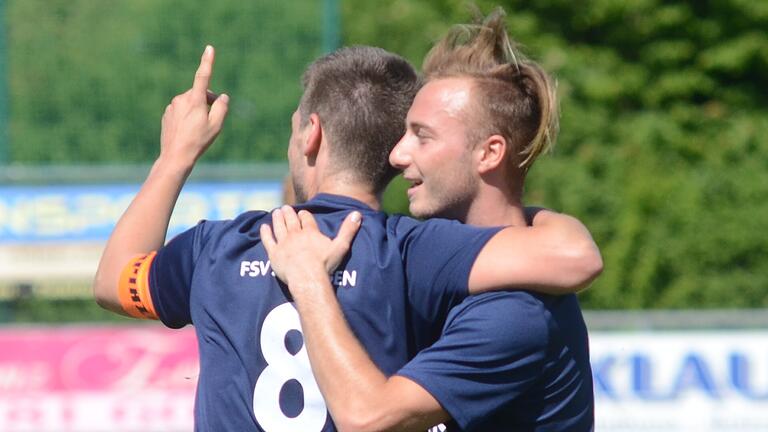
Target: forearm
(345, 374)
(556, 255)
(359, 396)
(142, 227)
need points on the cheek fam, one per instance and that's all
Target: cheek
(292, 146)
(435, 159)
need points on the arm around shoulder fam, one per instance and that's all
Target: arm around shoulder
(556, 255)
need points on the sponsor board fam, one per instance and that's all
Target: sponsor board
(58, 232)
(680, 381)
(87, 213)
(139, 378)
(144, 377)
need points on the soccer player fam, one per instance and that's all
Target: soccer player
(396, 289)
(505, 360)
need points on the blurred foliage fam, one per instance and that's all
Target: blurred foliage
(45, 310)
(88, 80)
(662, 152)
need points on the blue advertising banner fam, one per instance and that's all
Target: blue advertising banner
(78, 213)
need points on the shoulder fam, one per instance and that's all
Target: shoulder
(512, 319)
(401, 224)
(409, 228)
(244, 223)
(216, 233)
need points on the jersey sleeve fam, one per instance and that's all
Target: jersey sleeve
(171, 272)
(492, 350)
(438, 256)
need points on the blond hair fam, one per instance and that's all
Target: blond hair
(516, 96)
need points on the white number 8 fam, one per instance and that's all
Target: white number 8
(282, 366)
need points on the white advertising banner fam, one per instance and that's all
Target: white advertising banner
(680, 381)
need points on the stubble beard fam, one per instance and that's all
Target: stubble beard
(448, 202)
(300, 194)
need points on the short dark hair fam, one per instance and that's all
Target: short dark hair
(362, 95)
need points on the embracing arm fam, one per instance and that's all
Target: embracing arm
(359, 396)
(188, 128)
(556, 255)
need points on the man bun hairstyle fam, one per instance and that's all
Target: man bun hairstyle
(516, 98)
(362, 95)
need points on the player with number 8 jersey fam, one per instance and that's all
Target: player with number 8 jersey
(252, 355)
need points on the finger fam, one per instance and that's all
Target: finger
(346, 234)
(218, 113)
(278, 225)
(307, 220)
(203, 74)
(210, 97)
(267, 239)
(292, 222)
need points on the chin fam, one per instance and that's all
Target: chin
(422, 213)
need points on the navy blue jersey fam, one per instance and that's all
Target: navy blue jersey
(396, 288)
(511, 361)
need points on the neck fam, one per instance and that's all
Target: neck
(344, 185)
(496, 207)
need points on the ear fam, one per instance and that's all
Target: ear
(491, 153)
(314, 136)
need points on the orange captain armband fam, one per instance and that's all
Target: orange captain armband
(133, 288)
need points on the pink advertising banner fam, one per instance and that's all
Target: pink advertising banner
(138, 378)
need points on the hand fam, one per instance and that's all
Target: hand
(188, 127)
(531, 214)
(299, 250)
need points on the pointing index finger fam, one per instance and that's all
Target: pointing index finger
(203, 74)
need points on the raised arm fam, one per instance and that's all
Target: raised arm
(556, 255)
(188, 128)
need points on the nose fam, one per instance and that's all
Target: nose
(399, 156)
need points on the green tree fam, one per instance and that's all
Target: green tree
(662, 152)
(89, 79)
(663, 149)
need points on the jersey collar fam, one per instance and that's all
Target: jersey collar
(326, 199)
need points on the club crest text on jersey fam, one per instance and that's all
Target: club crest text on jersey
(258, 268)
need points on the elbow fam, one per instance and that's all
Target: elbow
(99, 292)
(590, 264)
(351, 425)
(363, 417)
(105, 293)
(357, 422)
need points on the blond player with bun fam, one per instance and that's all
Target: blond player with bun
(505, 361)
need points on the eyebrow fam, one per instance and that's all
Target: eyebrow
(419, 126)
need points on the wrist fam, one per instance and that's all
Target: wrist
(306, 278)
(171, 165)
